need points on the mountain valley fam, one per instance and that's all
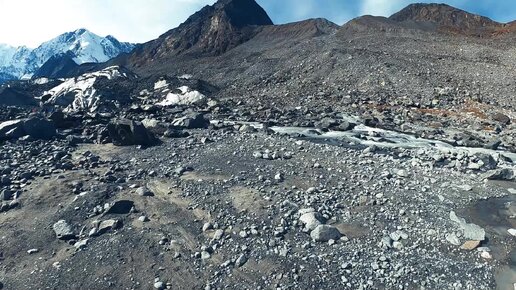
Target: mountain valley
(233, 153)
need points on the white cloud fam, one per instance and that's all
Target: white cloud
(382, 7)
(31, 22)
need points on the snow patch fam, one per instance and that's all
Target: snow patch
(41, 81)
(79, 93)
(185, 97)
(160, 84)
(186, 77)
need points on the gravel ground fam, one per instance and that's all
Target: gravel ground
(224, 209)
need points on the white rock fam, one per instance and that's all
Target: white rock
(311, 220)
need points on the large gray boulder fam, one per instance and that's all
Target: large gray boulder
(192, 121)
(37, 128)
(324, 233)
(63, 230)
(126, 132)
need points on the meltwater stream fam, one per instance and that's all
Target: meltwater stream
(387, 139)
(369, 136)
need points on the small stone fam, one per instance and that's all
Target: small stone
(143, 219)
(6, 195)
(397, 245)
(206, 227)
(512, 232)
(453, 239)
(346, 265)
(386, 242)
(465, 187)
(241, 261)
(81, 244)
(159, 285)
(144, 191)
(218, 234)
(486, 255)
(398, 235)
(324, 233)
(470, 245)
(63, 230)
(205, 255)
(402, 173)
(311, 190)
(311, 220)
(32, 251)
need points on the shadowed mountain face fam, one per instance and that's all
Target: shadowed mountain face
(58, 66)
(211, 31)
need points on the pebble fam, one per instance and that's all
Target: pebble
(32, 251)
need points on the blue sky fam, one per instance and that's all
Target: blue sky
(31, 22)
(341, 11)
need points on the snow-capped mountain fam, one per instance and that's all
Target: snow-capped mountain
(13, 61)
(83, 45)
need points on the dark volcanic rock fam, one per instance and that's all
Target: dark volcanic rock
(36, 128)
(15, 97)
(192, 121)
(127, 132)
(39, 128)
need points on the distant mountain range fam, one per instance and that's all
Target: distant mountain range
(77, 47)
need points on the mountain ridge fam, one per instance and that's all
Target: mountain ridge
(83, 45)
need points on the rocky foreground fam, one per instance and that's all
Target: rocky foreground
(184, 203)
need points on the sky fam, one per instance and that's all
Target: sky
(31, 22)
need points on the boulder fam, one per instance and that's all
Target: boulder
(126, 132)
(324, 233)
(501, 174)
(63, 230)
(11, 129)
(470, 231)
(171, 133)
(192, 121)
(311, 220)
(37, 128)
(501, 118)
(326, 123)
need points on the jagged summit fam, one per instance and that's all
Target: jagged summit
(211, 31)
(243, 12)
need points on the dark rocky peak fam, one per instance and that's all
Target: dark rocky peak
(211, 31)
(58, 66)
(243, 12)
(446, 18)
